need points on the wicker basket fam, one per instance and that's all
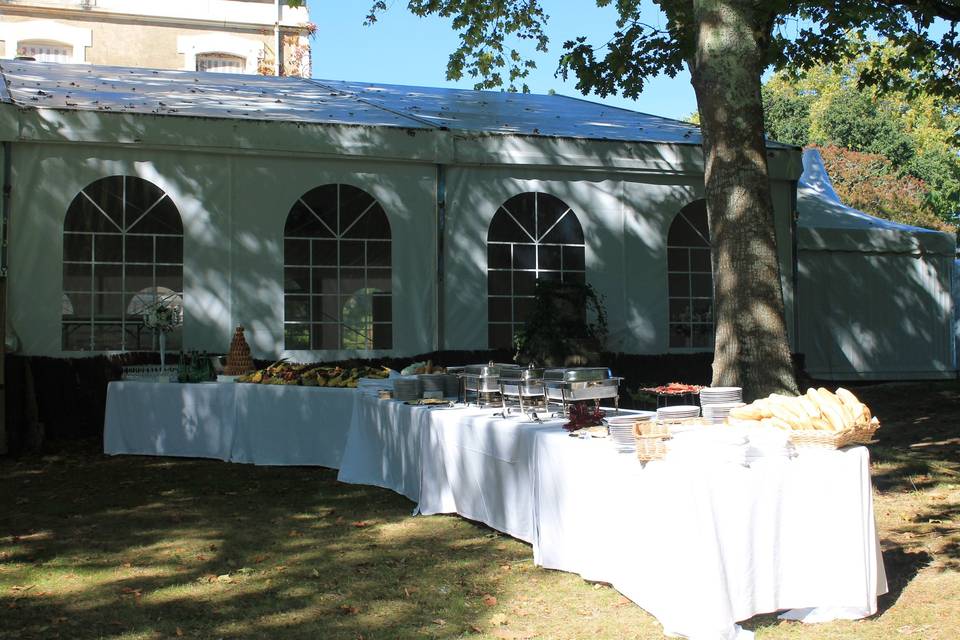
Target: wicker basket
(652, 447)
(861, 433)
(643, 428)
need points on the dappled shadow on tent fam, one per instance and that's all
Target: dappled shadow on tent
(874, 298)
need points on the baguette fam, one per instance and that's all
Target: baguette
(858, 411)
(781, 410)
(833, 410)
(809, 407)
(747, 412)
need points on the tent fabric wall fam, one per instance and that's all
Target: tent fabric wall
(234, 153)
(233, 210)
(874, 296)
(625, 219)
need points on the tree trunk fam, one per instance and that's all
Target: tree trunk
(752, 350)
(3, 372)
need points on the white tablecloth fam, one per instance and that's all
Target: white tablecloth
(384, 445)
(196, 421)
(479, 466)
(700, 546)
(703, 546)
(260, 424)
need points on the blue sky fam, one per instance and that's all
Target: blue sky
(403, 49)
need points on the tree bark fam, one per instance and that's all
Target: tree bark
(751, 350)
(3, 372)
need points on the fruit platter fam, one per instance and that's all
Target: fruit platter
(313, 375)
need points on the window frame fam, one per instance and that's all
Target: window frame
(129, 322)
(535, 241)
(377, 334)
(691, 300)
(241, 61)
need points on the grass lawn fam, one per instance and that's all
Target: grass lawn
(137, 548)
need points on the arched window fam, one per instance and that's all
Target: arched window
(337, 271)
(122, 252)
(220, 63)
(532, 236)
(690, 279)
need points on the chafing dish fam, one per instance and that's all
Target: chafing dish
(483, 381)
(562, 386)
(525, 387)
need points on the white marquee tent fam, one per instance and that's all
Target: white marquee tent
(874, 296)
(336, 219)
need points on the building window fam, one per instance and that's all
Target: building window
(337, 271)
(533, 236)
(690, 279)
(46, 51)
(220, 63)
(122, 253)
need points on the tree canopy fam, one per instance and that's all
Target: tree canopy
(884, 144)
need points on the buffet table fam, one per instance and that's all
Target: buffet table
(259, 424)
(699, 546)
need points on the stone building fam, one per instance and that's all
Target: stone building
(227, 36)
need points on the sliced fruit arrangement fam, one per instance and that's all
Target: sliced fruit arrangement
(818, 409)
(312, 375)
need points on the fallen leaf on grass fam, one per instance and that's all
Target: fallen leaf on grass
(349, 610)
(259, 559)
(439, 622)
(179, 632)
(359, 524)
(475, 629)
(498, 620)
(489, 600)
(20, 588)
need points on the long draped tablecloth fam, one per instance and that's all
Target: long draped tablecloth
(259, 424)
(700, 546)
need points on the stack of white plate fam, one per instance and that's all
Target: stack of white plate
(621, 434)
(718, 412)
(451, 385)
(678, 412)
(432, 384)
(720, 395)
(372, 386)
(407, 388)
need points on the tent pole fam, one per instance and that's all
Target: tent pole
(795, 276)
(440, 339)
(4, 214)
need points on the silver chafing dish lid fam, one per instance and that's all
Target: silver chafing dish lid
(489, 369)
(527, 373)
(577, 374)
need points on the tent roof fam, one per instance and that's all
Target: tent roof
(824, 222)
(265, 98)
